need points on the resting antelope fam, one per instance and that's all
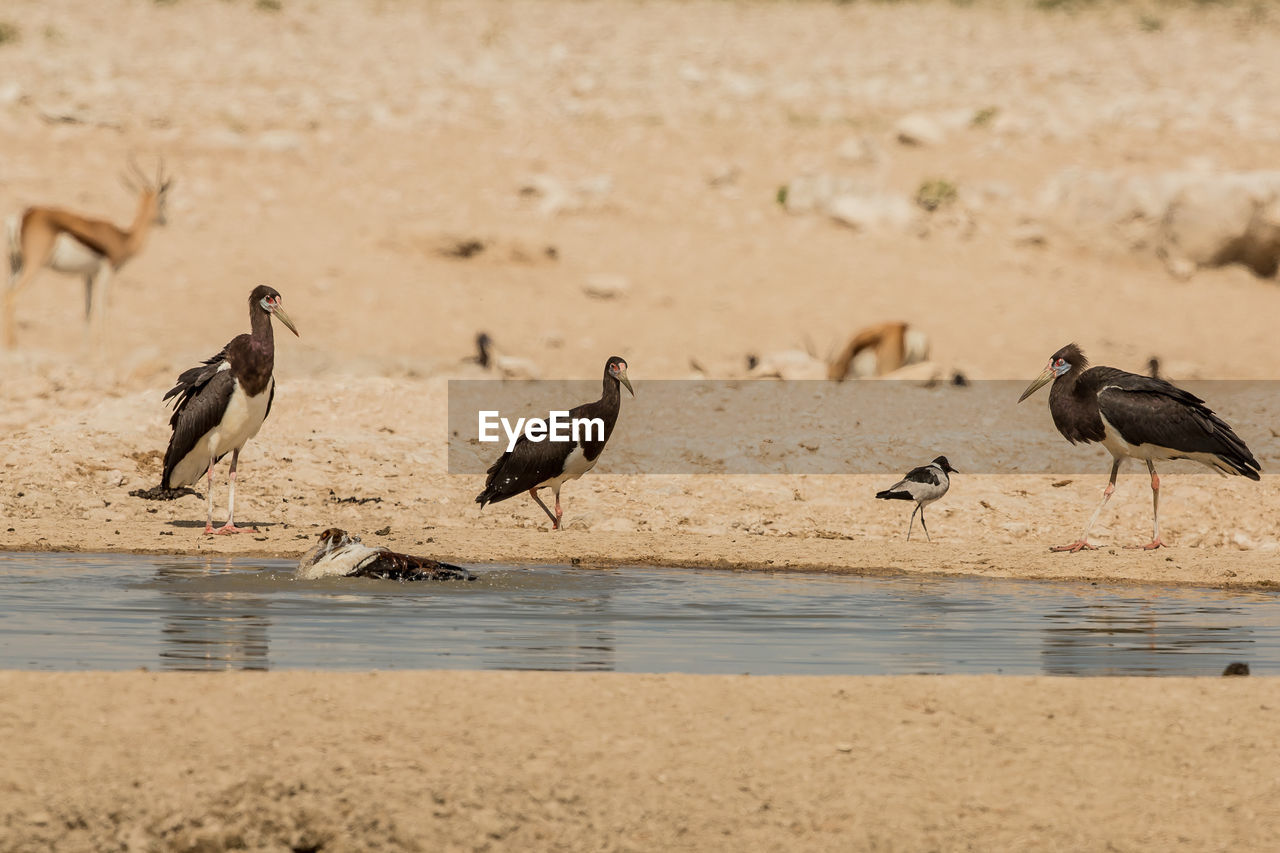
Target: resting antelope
(70, 243)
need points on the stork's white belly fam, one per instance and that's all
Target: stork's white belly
(1119, 448)
(71, 256)
(240, 422)
(574, 467)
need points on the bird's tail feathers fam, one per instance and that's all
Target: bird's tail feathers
(891, 495)
(1235, 454)
(1242, 463)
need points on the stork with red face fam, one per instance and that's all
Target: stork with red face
(1136, 417)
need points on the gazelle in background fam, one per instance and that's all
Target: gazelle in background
(70, 243)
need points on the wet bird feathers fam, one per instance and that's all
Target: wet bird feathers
(339, 554)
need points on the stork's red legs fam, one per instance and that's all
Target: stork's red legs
(1155, 542)
(230, 526)
(1082, 543)
(555, 517)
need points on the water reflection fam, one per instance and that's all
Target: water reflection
(544, 639)
(206, 630)
(123, 611)
(214, 617)
(1140, 636)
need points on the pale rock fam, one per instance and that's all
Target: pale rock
(869, 211)
(606, 286)
(1029, 234)
(813, 192)
(280, 141)
(861, 151)
(789, 364)
(919, 129)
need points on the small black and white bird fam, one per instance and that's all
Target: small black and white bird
(222, 403)
(338, 554)
(530, 465)
(924, 485)
(1136, 417)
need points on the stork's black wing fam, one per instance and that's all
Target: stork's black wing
(190, 381)
(198, 410)
(523, 467)
(388, 565)
(1151, 411)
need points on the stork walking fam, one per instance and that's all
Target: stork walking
(1136, 417)
(222, 403)
(530, 465)
(924, 485)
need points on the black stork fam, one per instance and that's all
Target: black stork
(339, 554)
(222, 403)
(924, 485)
(1137, 417)
(529, 465)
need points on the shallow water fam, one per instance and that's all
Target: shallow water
(122, 611)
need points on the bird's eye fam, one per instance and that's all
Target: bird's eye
(1059, 363)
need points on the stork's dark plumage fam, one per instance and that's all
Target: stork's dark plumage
(222, 403)
(1136, 417)
(924, 485)
(530, 466)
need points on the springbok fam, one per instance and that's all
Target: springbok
(70, 243)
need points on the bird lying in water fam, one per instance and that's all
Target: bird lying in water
(338, 554)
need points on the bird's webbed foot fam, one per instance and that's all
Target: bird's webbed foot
(1078, 545)
(231, 528)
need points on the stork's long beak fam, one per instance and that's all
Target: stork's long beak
(622, 377)
(1040, 381)
(284, 318)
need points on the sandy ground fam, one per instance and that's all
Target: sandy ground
(338, 180)
(575, 761)
(332, 149)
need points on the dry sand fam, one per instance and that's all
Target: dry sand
(331, 149)
(578, 761)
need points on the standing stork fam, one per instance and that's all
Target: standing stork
(222, 403)
(1137, 417)
(530, 465)
(70, 243)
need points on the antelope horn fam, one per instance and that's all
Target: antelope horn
(138, 173)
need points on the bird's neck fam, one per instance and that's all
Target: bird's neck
(263, 337)
(610, 392)
(1068, 384)
(606, 408)
(256, 361)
